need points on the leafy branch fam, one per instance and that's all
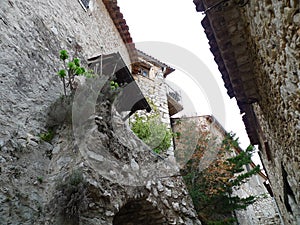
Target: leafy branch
(72, 68)
(150, 130)
(212, 189)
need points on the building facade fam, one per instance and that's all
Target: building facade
(256, 46)
(150, 74)
(57, 173)
(264, 210)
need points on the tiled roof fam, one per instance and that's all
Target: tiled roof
(120, 23)
(228, 38)
(150, 58)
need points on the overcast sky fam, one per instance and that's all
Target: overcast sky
(177, 22)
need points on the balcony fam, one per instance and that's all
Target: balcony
(174, 100)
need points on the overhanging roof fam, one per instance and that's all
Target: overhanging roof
(120, 23)
(228, 34)
(155, 61)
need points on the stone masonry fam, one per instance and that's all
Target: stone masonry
(264, 210)
(150, 79)
(64, 180)
(275, 28)
(256, 46)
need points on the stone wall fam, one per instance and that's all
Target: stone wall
(64, 180)
(126, 183)
(32, 34)
(275, 32)
(264, 210)
(156, 92)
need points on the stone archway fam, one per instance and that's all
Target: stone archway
(139, 212)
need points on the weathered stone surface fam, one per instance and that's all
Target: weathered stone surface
(270, 33)
(274, 25)
(112, 200)
(32, 33)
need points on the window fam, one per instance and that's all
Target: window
(144, 72)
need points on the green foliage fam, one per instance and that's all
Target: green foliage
(62, 73)
(177, 135)
(75, 178)
(152, 132)
(71, 69)
(48, 136)
(211, 189)
(63, 55)
(40, 179)
(114, 85)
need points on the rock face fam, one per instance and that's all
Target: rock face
(107, 175)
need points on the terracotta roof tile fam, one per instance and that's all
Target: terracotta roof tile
(229, 45)
(120, 23)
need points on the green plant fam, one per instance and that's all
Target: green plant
(48, 136)
(114, 85)
(177, 134)
(71, 69)
(154, 133)
(40, 179)
(211, 189)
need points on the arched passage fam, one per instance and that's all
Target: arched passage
(138, 212)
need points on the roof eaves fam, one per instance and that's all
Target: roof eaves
(225, 30)
(156, 61)
(120, 23)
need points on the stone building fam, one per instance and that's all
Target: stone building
(74, 162)
(150, 74)
(264, 210)
(256, 47)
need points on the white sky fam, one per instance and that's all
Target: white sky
(177, 22)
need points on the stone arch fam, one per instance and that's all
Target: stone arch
(139, 212)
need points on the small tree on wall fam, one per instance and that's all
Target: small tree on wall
(72, 68)
(211, 189)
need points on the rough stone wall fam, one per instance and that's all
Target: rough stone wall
(32, 33)
(275, 32)
(264, 210)
(155, 90)
(32, 170)
(128, 185)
